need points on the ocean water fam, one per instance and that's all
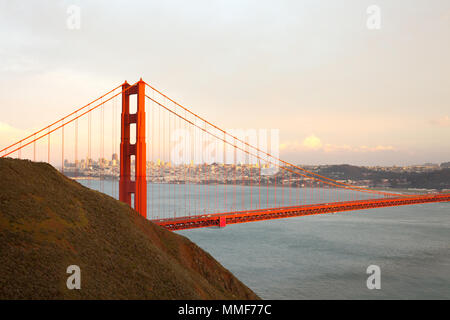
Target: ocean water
(326, 256)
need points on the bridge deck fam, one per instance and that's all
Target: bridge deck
(221, 219)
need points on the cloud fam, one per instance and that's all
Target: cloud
(441, 122)
(314, 143)
(7, 129)
(374, 149)
(339, 148)
(9, 134)
(311, 142)
(336, 148)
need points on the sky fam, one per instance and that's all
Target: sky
(338, 91)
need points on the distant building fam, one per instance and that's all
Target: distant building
(445, 165)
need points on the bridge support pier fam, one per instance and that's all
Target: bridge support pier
(222, 222)
(137, 184)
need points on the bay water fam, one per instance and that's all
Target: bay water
(323, 256)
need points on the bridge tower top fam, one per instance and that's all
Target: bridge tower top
(133, 185)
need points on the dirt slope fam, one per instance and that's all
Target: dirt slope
(48, 222)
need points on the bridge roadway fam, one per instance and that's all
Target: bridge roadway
(222, 219)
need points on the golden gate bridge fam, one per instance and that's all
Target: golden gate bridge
(181, 171)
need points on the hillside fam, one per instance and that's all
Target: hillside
(345, 171)
(438, 179)
(48, 222)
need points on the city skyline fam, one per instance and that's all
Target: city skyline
(263, 173)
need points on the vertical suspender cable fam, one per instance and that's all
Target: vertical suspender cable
(76, 146)
(62, 147)
(48, 151)
(113, 109)
(225, 174)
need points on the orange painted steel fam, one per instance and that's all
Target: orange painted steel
(222, 219)
(51, 125)
(57, 128)
(138, 186)
(334, 182)
(331, 182)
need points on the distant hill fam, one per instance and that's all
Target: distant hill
(345, 171)
(445, 164)
(436, 179)
(439, 179)
(48, 222)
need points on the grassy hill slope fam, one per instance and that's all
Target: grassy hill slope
(48, 222)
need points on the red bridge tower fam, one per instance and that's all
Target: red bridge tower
(137, 185)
